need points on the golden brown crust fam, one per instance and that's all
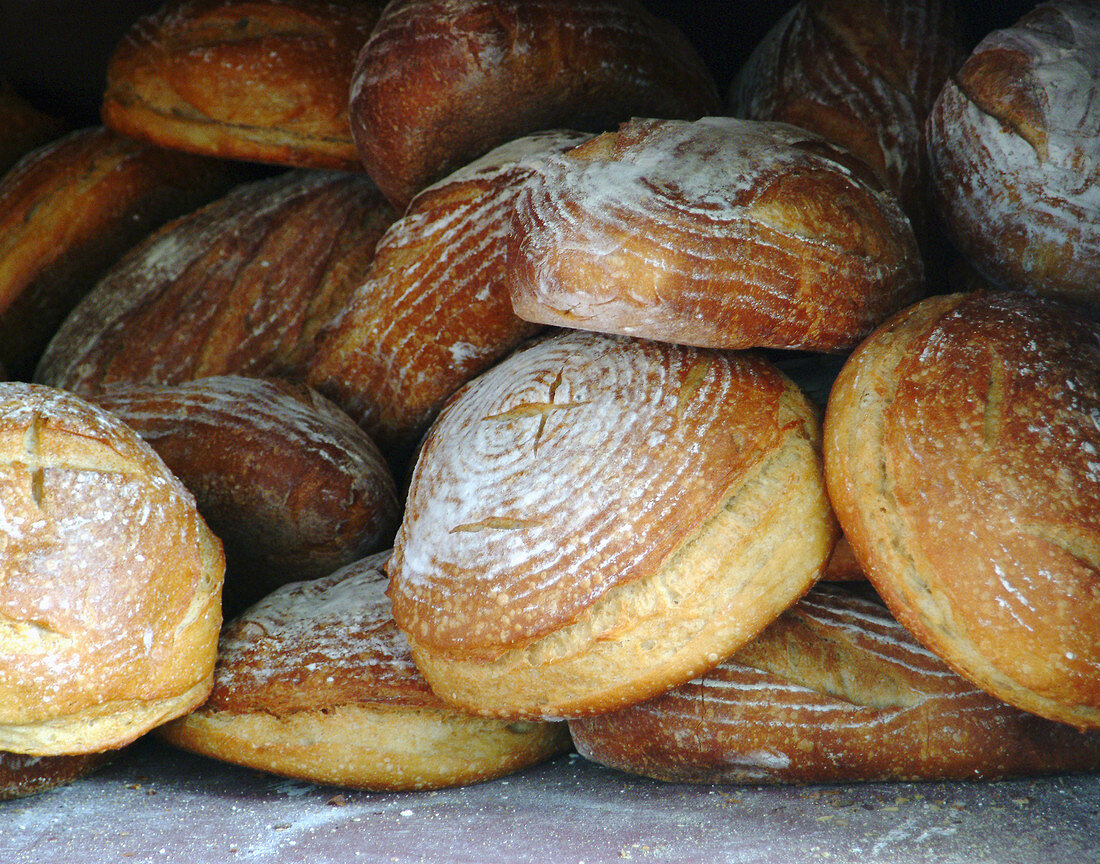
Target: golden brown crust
(862, 73)
(596, 517)
(433, 309)
(1014, 166)
(442, 81)
(287, 481)
(241, 286)
(112, 582)
(721, 232)
(69, 211)
(316, 682)
(22, 776)
(262, 80)
(961, 456)
(834, 691)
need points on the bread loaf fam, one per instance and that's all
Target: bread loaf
(433, 310)
(111, 598)
(961, 453)
(285, 479)
(834, 691)
(1014, 162)
(440, 82)
(597, 519)
(69, 211)
(862, 73)
(316, 682)
(260, 80)
(241, 286)
(723, 233)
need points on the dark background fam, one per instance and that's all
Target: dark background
(54, 52)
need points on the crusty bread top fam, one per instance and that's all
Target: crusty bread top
(265, 80)
(580, 463)
(442, 81)
(433, 308)
(240, 286)
(111, 582)
(289, 483)
(1015, 164)
(834, 690)
(963, 460)
(720, 232)
(318, 644)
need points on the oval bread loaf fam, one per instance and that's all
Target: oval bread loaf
(1015, 165)
(962, 453)
(722, 233)
(259, 80)
(596, 519)
(285, 479)
(440, 82)
(834, 691)
(110, 600)
(316, 682)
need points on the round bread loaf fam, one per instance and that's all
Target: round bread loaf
(862, 73)
(597, 519)
(22, 776)
(1015, 164)
(440, 82)
(69, 211)
(962, 452)
(285, 479)
(833, 691)
(110, 597)
(723, 233)
(316, 682)
(240, 286)
(433, 310)
(259, 80)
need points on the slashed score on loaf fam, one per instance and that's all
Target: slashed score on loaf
(598, 518)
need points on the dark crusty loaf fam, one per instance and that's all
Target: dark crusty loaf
(962, 453)
(22, 776)
(834, 691)
(111, 594)
(69, 210)
(721, 232)
(241, 286)
(441, 82)
(285, 479)
(597, 519)
(262, 80)
(1015, 164)
(316, 682)
(22, 127)
(433, 310)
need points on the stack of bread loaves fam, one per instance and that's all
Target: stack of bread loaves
(497, 408)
